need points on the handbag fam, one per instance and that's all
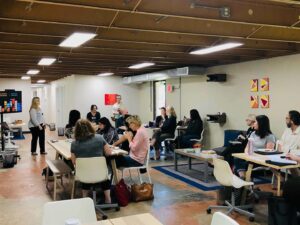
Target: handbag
(122, 193)
(280, 212)
(142, 192)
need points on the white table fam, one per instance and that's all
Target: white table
(205, 158)
(63, 148)
(260, 160)
(139, 219)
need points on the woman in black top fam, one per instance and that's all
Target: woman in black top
(193, 130)
(93, 116)
(159, 120)
(108, 132)
(166, 131)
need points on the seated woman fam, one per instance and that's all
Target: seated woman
(193, 130)
(88, 144)
(241, 143)
(74, 115)
(108, 132)
(123, 142)
(139, 144)
(93, 116)
(166, 131)
(159, 120)
(261, 137)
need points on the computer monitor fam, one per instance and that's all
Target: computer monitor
(10, 101)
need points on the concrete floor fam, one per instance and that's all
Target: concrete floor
(23, 194)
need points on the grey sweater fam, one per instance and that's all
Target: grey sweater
(36, 118)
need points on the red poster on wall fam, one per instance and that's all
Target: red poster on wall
(110, 99)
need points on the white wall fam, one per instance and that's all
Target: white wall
(83, 91)
(233, 96)
(25, 87)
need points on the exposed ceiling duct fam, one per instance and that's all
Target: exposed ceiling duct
(166, 74)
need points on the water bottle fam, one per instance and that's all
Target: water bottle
(250, 146)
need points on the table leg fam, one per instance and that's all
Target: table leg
(178, 134)
(56, 155)
(190, 163)
(175, 161)
(278, 183)
(206, 171)
(114, 170)
(247, 178)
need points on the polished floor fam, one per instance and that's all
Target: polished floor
(23, 194)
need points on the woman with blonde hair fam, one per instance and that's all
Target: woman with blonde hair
(36, 126)
(139, 144)
(166, 131)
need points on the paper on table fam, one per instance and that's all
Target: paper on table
(276, 158)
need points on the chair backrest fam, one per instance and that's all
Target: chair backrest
(202, 134)
(230, 135)
(58, 212)
(222, 172)
(146, 163)
(91, 170)
(222, 219)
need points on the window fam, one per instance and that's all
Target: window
(159, 96)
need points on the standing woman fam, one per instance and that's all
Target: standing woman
(93, 116)
(36, 126)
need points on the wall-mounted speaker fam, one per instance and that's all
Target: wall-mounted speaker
(221, 77)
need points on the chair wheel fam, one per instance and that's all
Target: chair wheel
(208, 211)
(117, 209)
(104, 217)
(251, 219)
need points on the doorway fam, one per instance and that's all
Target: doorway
(159, 97)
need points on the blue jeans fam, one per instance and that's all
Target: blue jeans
(126, 161)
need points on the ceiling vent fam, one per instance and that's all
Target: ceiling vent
(166, 74)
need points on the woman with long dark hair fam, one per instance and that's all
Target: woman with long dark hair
(108, 132)
(193, 130)
(261, 137)
(74, 115)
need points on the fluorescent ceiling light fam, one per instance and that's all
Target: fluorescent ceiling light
(76, 39)
(141, 65)
(41, 81)
(216, 48)
(105, 74)
(32, 72)
(46, 61)
(25, 77)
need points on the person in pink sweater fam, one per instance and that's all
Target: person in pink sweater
(139, 144)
